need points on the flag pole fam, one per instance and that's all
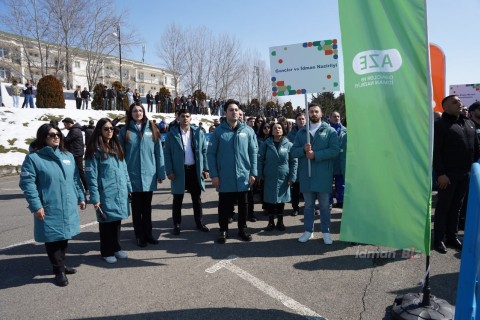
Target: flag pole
(308, 133)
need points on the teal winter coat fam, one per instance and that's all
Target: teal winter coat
(175, 157)
(276, 167)
(326, 147)
(232, 156)
(343, 154)
(50, 180)
(109, 184)
(291, 135)
(143, 156)
(337, 164)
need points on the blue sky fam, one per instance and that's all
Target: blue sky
(260, 24)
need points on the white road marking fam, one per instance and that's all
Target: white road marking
(265, 288)
(33, 241)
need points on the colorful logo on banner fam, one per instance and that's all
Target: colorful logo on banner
(304, 67)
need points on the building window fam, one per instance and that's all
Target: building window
(152, 75)
(3, 53)
(166, 80)
(4, 73)
(140, 75)
(77, 64)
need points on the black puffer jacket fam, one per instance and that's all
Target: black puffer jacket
(456, 145)
(74, 141)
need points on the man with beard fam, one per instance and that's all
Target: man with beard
(316, 184)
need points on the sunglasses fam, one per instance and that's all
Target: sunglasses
(54, 135)
(266, 128)
(107, 129)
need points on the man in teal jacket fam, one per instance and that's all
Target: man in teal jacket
(186, 166)
(295, 189)
(316, 184)
(232, 160)
(338, 177)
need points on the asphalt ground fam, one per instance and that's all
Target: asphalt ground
(190, 276)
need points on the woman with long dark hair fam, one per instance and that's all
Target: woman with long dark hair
(51, 183)
(109, 185)
(141, 143)
(278, 170)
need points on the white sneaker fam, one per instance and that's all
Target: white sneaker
(327, 239)
(110, 259)
(306, 236)
(121, 254)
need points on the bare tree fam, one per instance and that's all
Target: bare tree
(97, 38)
(171, 50)
(69, 18)
(214, 64)
(31, 21)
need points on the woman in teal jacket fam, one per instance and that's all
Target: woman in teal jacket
(142, 145)
(278, 171)
(109, 186)
(51, 184)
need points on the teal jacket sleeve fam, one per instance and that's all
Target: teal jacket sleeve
(159, 160)
(253, 154)
(29, 186)
(91, 174)
(212, 155)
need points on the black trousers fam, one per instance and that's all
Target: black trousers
(193, 186)
(109, 237)
(295, 194)
(448, 207)
(81, 171)
(56, 254)
(226, 201)
(274, 209)
(251, 204)
(79, 103)
(142, 214)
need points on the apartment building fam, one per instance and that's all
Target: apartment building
(21, 59)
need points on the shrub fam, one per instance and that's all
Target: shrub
(50, 93)
(97, 96)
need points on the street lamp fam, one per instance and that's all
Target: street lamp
(257, 71)
(117, 34)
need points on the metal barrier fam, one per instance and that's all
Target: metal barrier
(468, 291)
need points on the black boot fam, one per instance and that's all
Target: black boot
(271, 223)
(280, 225)
(244, 235)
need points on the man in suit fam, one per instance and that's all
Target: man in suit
(186, 167)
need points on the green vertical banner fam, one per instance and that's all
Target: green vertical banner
(390, 129)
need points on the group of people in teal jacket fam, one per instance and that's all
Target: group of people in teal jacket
(124, 168)
(120, 168)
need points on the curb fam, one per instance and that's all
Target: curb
(10, 170)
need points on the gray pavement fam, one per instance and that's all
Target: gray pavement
(189, 276)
